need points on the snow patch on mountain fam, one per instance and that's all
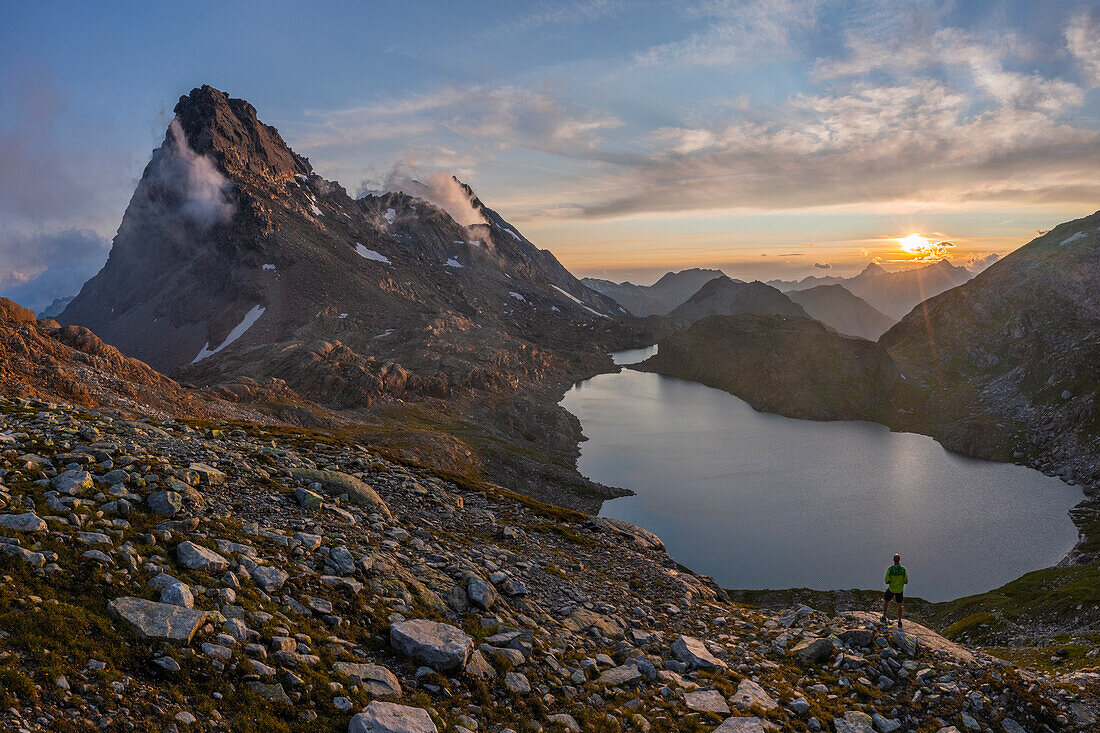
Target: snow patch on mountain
(370, 254)
(239, 330)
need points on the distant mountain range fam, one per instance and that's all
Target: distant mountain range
(892, 293)
(659, 298)
(865, 305)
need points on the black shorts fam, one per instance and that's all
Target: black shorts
(899, 597)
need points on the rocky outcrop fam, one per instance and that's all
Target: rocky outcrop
(45, 361)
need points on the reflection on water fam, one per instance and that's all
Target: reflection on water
(762, 501)
(633, 356)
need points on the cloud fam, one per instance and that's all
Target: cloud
(978, 263)
(438, 188)
(200, 190)
(39, 268)
(823, 266)
(501, 117)
(931, 251)
(47, 179)
(1083, 42)
(557, 15)
(54, 192)
(739, 32)
(922, 140)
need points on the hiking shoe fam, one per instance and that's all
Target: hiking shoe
(884, 619)
(899, 623)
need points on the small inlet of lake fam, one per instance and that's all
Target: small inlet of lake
(762, 501)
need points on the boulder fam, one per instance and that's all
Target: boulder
(442, 647)
(707, 701)
(388, 717)
(178, 594)
(269, 578)
(161, 621)
(565, 719)
(905, 643)
(34, 559)
(745, 725)
(627, 674)
(28, 522)
(481, 594)
(336, 483)
(749, 694)
(379, 681)
(197, 557)
(857, 637)
(165, 503)
(517, 683)
(885, 725)
(694, 653)
(308, 499)
(208, 475)
(72, 482)
(272, 693)
(853, 722)
(814, 651)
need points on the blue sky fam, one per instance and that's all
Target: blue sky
(631, 138)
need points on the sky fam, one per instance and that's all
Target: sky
(769, 138)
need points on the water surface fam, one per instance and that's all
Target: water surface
(762, 501)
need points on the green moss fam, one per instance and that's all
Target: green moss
(16, 687)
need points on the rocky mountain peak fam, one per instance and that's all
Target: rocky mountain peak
(873, 269)
(229, 131)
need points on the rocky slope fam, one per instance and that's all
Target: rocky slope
(1017, 351)
(44, 360)
(183, 576)
(893, 293)
(834, 306)
(659, 298)
(796, 367)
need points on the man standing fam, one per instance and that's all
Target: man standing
(896, 578)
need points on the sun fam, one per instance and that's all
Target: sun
(914, 244)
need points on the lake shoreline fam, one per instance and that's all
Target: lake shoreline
(612, 508)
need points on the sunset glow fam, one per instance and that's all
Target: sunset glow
(914, 244)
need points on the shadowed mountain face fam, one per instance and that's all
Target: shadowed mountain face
(659, 298)
(794, 366)
(892, 293)
(234, 259)
(1020, 343)
(724, 296)
(834, 306)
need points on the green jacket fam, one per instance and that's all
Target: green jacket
(896, 578)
